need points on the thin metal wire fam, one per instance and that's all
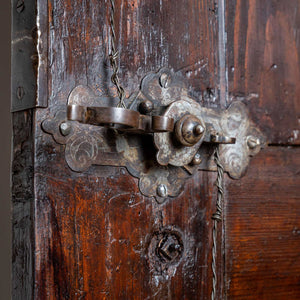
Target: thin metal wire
(114, 58)
(217, 217)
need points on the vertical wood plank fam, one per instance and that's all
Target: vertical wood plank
(261, 210)
(22, 207)
(93, 229)
(263, 64)
(262, 228)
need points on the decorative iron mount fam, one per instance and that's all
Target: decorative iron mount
(163, 114)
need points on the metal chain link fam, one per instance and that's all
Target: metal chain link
(114, 58)
(217, 217)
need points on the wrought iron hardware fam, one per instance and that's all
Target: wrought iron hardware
(120, 118)
(29, 55)
(162, 138)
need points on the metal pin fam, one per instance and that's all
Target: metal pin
(252, 142)
(65, 128)
(198, 129)
(165, 80)
(162, 190)
(197, 159)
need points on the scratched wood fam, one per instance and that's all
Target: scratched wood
(263, 48)
(263, 228)
(87, 235)
(22, 206)
(262, 210)
(93, 229)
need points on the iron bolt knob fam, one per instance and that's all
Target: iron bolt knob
(189, 130)
(199, 129)
(146, 106)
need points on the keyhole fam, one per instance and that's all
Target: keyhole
(169, 248)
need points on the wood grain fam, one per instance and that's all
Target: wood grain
(93, 229)
(263, 50)
(262, 228)
(87, 235)
(22, 206)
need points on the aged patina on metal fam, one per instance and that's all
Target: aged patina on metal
(165, 250)
(29, 59)
(163, 147)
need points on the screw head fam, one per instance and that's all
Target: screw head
(197, 159)
(165, 80)
(65, 128)
(253, 142)
(199, 129)
(146, 106)
(20, 92)
(20, 6)
(162, 190)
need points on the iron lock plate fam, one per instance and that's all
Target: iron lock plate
(29, 55)
(162, 161)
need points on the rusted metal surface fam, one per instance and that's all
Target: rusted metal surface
(104, 116)
(88, 145)
(189, 130)
(165, 251)
(80, 109)
(231, 128)
(119, 118)
(27, 62)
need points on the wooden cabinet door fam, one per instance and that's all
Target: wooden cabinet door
(87, 235)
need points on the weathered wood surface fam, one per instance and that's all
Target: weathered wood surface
(262, 228)
(262, 210)
(22, 206)
(93, 229)
(263, 51)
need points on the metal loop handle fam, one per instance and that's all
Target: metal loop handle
(129, 120)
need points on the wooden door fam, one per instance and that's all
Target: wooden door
(86, 235)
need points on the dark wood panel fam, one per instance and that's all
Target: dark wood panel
(93, 229)
(263, 228)
(263, 50)
(22, 206)
(182, 35)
